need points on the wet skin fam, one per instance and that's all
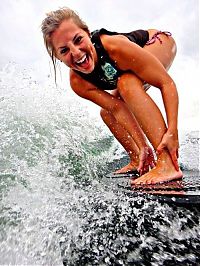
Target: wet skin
(74, 48)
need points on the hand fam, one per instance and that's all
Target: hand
(146, 160)
(170, 142)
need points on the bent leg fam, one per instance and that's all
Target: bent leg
(147, 112)
(124, 139)
(152, 123)
(143, 107)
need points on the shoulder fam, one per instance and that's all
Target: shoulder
(115, 43)
(121, 49)
(112, 42)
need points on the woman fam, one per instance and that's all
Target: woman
(124, 64)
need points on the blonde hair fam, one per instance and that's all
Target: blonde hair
(52, 22)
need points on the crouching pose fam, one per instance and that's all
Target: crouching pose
(114, 70)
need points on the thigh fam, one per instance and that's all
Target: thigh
(165, 50)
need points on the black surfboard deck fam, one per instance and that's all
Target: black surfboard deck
(183, 191)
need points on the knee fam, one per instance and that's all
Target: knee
(127, 83)
(123, 79)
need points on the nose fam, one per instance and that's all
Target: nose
(74, 51)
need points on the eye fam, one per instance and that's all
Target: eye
(78, 39)
(64, 50)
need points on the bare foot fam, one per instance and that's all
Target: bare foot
(129, 167)
(158, 175)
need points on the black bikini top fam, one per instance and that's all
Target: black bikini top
(105, 74)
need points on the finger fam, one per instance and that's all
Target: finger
(146, 169)
(152, 164)
(140, 171)
(159, 149)
(175, 161)
(141, 166)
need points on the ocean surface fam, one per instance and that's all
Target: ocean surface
(56, 209)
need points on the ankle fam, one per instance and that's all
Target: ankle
(165, 161)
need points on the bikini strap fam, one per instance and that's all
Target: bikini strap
(155, 36)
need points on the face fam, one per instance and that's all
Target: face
(73, 47)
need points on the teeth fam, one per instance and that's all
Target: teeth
(81, 60)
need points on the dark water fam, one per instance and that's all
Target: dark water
(54, 204)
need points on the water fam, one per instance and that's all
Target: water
(56, 208)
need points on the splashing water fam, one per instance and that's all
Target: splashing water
(55, 207)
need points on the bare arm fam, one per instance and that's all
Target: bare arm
(107, 101)
(147, 67)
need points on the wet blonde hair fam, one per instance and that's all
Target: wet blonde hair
(52, 22)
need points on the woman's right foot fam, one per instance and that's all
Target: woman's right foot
(158, 175)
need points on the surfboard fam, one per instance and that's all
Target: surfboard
(184, 191)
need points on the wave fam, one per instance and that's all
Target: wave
(55, 207)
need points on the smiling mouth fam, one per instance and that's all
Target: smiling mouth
(82, 61)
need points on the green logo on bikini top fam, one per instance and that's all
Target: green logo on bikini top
(109, 71)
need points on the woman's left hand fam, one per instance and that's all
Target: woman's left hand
(146, 160)
(170, 143)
